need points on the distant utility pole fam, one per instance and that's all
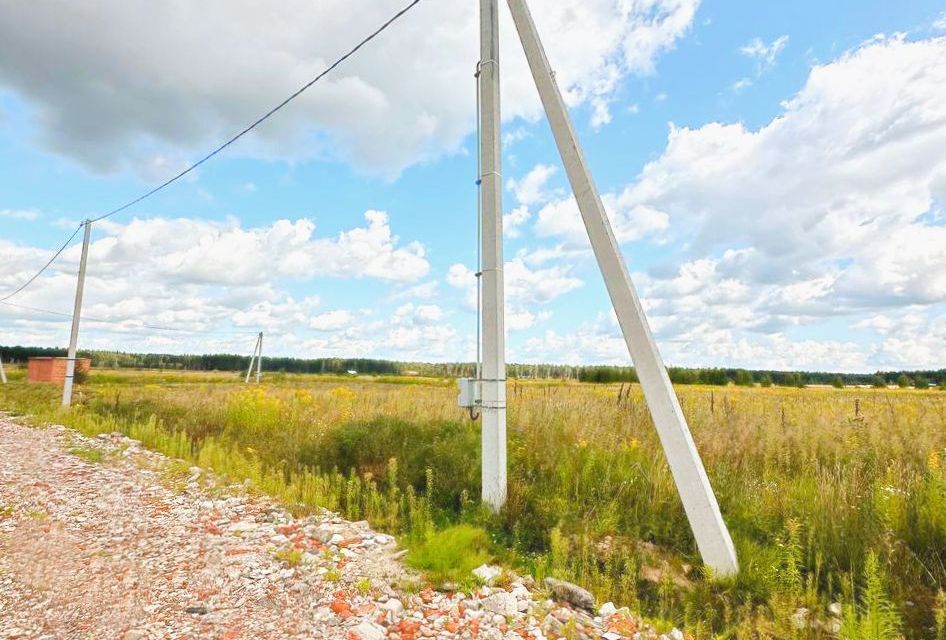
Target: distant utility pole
(258, 357)
(76, 313)
(493, 382)
(3, 374)
(699, 501)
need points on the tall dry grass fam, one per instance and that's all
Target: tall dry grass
(813, 483)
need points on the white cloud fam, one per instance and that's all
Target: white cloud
(841, 184)
(514, 220)
(199, 275)
(537, 286)
(909, 338)
(200, 251)
(512, 137)
(600, 342)
(422, 291)
(526, 288)
(833, 209)
(416, 315)
(406, 97)
(522, 319)
(630, 220)
(531, 189)
(940, 23)
(26, 215)
(332, 320)
(764, 54)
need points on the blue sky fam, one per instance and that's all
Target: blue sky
(773, 170)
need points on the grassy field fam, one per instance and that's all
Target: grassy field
(832, 496)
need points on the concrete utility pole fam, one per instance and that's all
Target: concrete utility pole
(259, 357)
(493, 384)
(699, 501)
(76, 313)
(257, 347)
(3, 374)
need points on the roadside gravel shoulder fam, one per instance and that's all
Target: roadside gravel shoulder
(100, 538)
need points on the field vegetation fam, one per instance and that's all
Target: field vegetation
(832, 495)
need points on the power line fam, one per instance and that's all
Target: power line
(65, 315)
(226, 144)
(45, 266)
(266, 116)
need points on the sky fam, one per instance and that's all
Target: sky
(775, 174)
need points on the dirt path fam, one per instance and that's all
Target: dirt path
(101, 539)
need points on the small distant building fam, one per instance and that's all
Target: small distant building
(54, 369)
(352, 372)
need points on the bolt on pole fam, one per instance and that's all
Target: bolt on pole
(699, 501)
(76, 313)
(493, 382)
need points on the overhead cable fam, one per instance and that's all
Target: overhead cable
(223, 146)
(45, 266)
(265, 116)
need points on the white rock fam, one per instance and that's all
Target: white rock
(520, 592)
(487, 574)
(502, 603)
(835, 609)
(610, 635)
(799, 619)
(243, 526)
(607, 609)
(394, 606)
(369, 631)
(676, 634)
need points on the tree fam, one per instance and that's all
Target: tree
(920, 382)
(837, 382)
(903, 381)
(878, 381)
(792, 379)
(766, 381)
(743, 378)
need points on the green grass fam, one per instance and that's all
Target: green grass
(450, 555)
(291, 557)
(88, 454)
(809, 489)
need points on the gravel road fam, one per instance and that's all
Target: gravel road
(100, 538)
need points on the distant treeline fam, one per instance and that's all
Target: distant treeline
(211, 362)
(601, 374)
